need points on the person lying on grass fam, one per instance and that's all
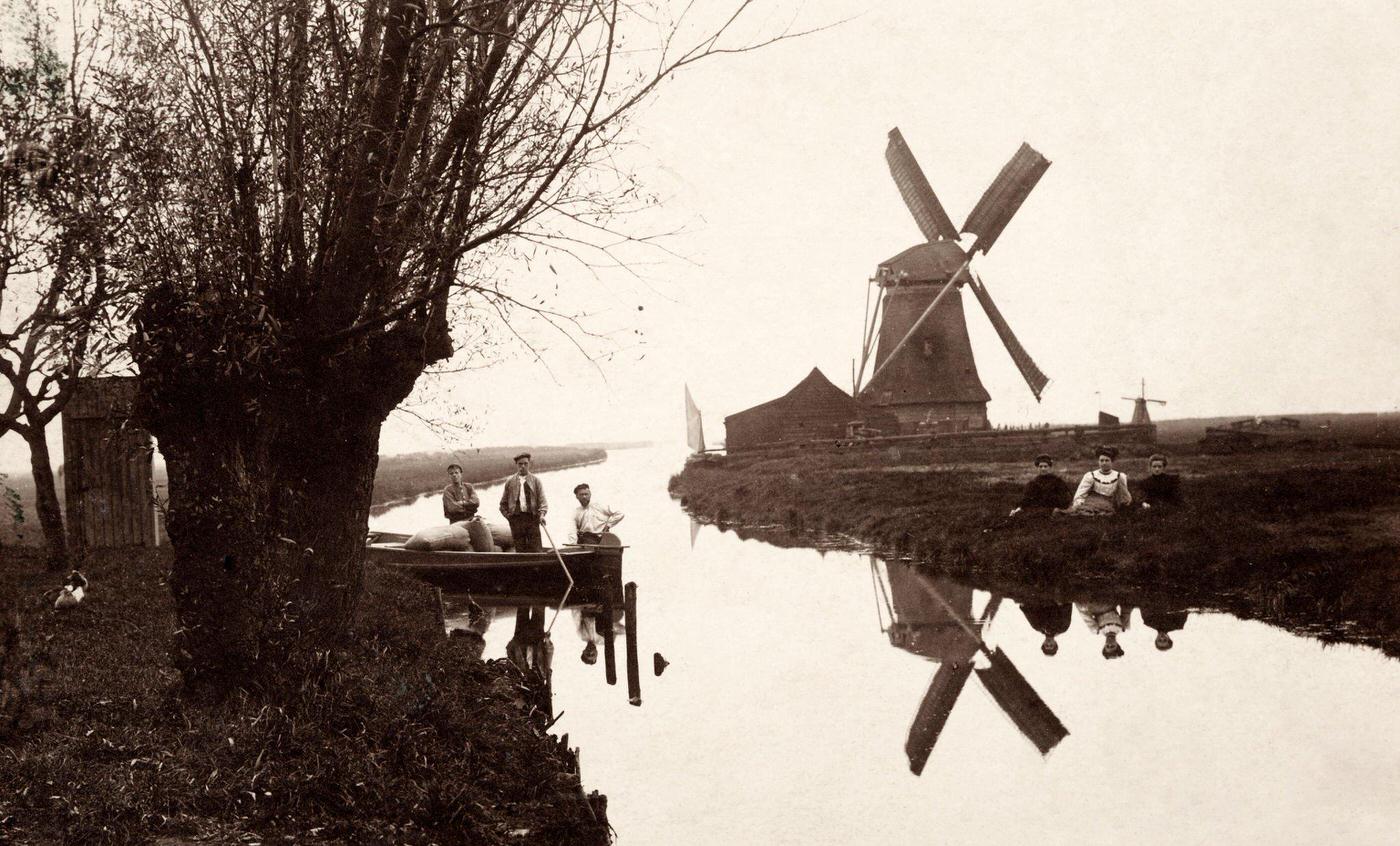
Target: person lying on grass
(1102, 491)
(1046, 492)
(1160, 488)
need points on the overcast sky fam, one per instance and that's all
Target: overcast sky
(1221, 218)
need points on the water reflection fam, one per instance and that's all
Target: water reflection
(934, 618)
(766, 737)
(595, 613)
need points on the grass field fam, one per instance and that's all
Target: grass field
(407, 738)
(1307, 539)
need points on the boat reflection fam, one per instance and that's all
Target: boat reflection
(934, 618)
(597, 614)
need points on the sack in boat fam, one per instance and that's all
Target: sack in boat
(480, 534)
(453, 538)
(500, 535)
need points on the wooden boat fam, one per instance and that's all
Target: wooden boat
(501, 571)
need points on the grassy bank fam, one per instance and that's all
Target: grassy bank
(407, 740)
(1309, 540)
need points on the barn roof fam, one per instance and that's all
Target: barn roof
(813, 393)
(935, 261)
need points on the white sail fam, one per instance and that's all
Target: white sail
(694, 431)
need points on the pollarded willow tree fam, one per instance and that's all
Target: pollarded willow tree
(312, 178)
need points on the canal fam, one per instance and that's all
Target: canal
(825, 697)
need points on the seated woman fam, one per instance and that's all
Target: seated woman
(1102, 491)
(1046, 492)
(1160, 488)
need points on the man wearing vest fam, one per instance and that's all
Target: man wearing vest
(523, 504)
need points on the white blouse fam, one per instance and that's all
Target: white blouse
(1113, 484)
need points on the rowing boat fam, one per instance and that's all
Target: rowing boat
(451, 570)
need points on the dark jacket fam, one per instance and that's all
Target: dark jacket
(1046, 491)
(1164, 489)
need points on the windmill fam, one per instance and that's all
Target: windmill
(1140, 415)
(923, 368)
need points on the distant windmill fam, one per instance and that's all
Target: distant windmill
(923, 367)
(1140, 415)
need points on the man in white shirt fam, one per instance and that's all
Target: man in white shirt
(590, 519)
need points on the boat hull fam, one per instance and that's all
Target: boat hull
(481, 572)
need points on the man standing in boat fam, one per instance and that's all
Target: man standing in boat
(523, 504)
(591, 520)
(459, 499)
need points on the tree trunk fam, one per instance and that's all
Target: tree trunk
(46, 499)
(271, 450)
(269, 544)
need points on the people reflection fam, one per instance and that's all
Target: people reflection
(1051, 619)
(1108, 620)
(1164, 620)
(530, 647)
(588, 620)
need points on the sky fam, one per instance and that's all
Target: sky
(1221, 218)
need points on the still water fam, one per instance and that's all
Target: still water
(806, 688)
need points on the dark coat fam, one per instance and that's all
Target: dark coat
(1046, 491)
(1160, 490)
(1049, 619)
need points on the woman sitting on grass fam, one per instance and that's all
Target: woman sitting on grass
(1046, 492)
(1102, 491)
(1160, 488)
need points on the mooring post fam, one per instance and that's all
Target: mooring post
(609, 631)
(634, 675)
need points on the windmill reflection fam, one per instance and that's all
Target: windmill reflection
(934, 618)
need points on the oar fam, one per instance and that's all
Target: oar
(566, 573)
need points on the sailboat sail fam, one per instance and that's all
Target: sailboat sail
(694, 431)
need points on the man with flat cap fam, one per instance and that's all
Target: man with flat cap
(523, 504)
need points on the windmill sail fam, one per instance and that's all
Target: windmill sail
(1004, 196)
(694, 430)
(1032, 374)
(917, 193)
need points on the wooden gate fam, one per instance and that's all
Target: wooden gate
(107, 467)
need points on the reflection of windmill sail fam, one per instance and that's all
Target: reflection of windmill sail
(943, 693)
(1021, 703)
(933, 618)
(694, 431)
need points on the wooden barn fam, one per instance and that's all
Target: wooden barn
(813, 410)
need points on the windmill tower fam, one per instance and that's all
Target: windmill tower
(924, 369)
(1140, 415)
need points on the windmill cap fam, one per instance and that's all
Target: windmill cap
(935, 261)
